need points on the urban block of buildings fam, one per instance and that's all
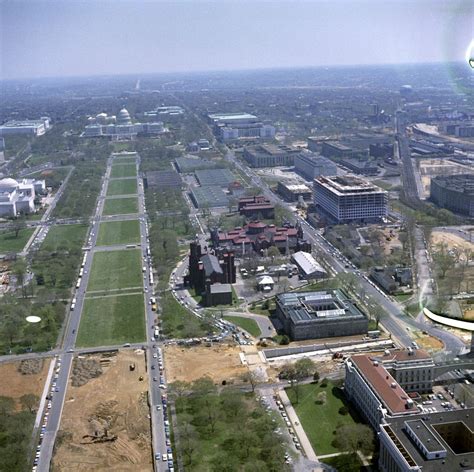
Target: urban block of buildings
(19, 197)
(322, 314)
(25, 127)
(294, 192)
(235, 126)
(211, 275)
(454, 192)
(256, 207)
(409, 440)
(350, 199)
(311, 165)
(119, 127)
(256, 236)
(459, 129)
(270, 155)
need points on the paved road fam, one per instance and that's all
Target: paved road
(266, 327)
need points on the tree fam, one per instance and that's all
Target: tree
(304, 368)
(316, 376)
(179, 387)
(253, 377)
(232, 405)
(443, 259)
(29, 401)
(18, 225)
(203, 386)
(7, 405)
(273, 252)
(19, 269)
(285, 340)
(321, 398)
(355, 437)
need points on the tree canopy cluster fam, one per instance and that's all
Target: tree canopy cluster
(210, 434)
(15, 434)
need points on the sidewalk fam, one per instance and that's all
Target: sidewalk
(300, 432)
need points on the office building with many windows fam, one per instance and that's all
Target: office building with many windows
(347, 198)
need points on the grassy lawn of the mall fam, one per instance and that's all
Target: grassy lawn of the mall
(123, 170)
(120, 206)
(114, 270)
(112, 320)
(65, 237)
(119, 232)
(122, 187)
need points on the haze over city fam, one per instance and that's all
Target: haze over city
(236, 236)
(58, 38)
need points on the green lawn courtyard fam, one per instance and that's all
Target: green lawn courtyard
(119, 232)
(64, 237)
(122, 187)
(11, 243)
(247, 324)
(120, 206)
(112, 320)
(320, 421)
(113, 270)
(123, 170)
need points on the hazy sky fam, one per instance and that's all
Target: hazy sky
(68, 37)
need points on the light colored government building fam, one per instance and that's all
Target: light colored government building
(119, 127)
(19, 197)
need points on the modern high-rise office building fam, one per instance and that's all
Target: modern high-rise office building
(348, 198)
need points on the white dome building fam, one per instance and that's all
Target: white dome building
(123, 118)
(8, 184)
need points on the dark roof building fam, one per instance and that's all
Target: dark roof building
(214, 177)
(256, 207)
(323, 314)
(428, 442)
(209, 197)
(454, 192)
(270, 155)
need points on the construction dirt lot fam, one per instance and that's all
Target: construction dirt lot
(451, 240)
(105, 424)
(219, 362)
(18, 384)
